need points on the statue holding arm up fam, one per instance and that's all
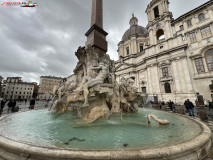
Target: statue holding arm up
(88, 83)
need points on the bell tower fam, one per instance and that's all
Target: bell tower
(96, 36)
(159, 21)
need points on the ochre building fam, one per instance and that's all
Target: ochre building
(47, 85)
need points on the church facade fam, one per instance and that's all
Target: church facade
(171, 59)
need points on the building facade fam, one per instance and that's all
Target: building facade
(46, 86)
(15, 88)
(169, 58)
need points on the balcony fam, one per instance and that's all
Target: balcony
(168, 78)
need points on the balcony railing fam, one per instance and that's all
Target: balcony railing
(168, 78)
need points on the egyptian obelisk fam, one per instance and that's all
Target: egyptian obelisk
(96, 36)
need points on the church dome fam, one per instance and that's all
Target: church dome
(134, 29)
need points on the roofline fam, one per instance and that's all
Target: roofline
(51, 77)
(192, 11)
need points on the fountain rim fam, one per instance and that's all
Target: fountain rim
(201, 141)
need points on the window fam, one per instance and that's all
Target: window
(199, 65)
(201, 17)
(167, 87)
(181, 27)
(192, 37)
(127, 51)
(141, 47)
(143, 89)
(161, 47)
(165, 72)
(209, 59)
(206, 32)
(160, 34)
(156, 12)
(189, 23)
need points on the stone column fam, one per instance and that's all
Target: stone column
(96, 36)
(97, 13)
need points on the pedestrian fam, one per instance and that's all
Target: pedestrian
(190, 107)
(160, 105)
(3, 102)
(10, 103)
(13, 105)
(171, 105)
(32, 104)
(25, 101)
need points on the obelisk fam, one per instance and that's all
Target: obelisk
(96, 36)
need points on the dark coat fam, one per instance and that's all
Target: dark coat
(188, 104)
(32, 102)
(3, 103)
(171, 104)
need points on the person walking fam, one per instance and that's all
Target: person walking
(171, 105)
(32, 103)
(160, 105)
(3, 102)
(2, 105)
(189, 107)
(9, 106)
(13, 105)
(25, 101)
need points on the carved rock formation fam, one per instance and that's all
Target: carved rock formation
(93, 91)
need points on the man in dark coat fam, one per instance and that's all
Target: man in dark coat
(171, 105)
(13, 105)
(3, 103)
(189, 107)
(10, 104)
(32, 103)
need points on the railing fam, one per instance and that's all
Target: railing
(166, 78)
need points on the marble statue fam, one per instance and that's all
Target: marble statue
(160, 121)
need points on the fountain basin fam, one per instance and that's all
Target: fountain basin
(44, 135)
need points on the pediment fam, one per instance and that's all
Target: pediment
(122, 66)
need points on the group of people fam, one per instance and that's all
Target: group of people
(188, 105)
(11, 105)
(171, 105)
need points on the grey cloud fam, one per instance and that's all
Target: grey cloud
(43, 40)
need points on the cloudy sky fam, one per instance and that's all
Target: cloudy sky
(42, 41)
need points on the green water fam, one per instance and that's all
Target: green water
(43, 128)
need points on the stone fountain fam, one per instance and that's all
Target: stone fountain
(94, 117)
(93, 91)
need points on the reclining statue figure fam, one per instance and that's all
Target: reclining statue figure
(89, 82)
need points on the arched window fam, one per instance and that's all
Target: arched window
(209, 59)
(201, 17)
(167, 87)
(189, 22)
(160, 34)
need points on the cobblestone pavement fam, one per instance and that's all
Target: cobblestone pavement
(42, 104)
